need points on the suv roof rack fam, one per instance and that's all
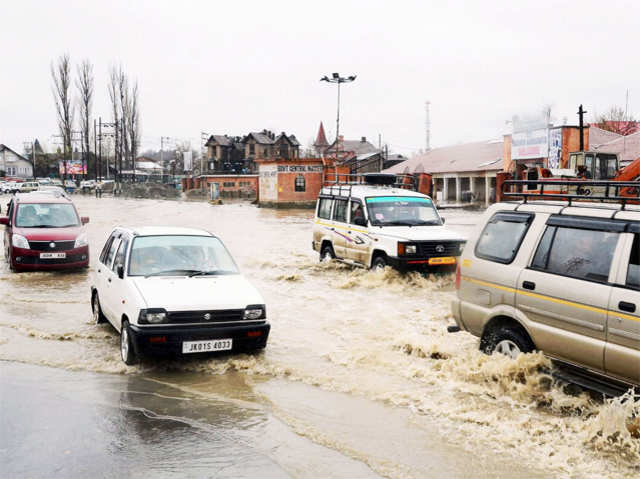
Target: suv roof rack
(611, 191)
(342, 183)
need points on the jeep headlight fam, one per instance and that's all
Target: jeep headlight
(152, 316)
(19, 241)
(255, 311)
(406, 248)
(411, 249)
(82, 240)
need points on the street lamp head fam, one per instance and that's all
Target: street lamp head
(324, 78)
(352, 77)
(336, 75)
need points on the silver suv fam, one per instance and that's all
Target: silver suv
(560, 278)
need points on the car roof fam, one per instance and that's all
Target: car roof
(576, 208)
(164, 230)
(365, 191)
(36, 197)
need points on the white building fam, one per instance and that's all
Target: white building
(461, 173)
(14, 164)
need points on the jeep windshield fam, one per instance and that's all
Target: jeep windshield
(178, 255)
(46, 215)
(402, 211)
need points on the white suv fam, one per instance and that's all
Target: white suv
(175, 291)
(382, 225)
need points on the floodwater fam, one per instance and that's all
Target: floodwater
(359, 379)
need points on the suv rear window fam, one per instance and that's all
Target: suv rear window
(577, 253)
(501, 238)
(324, 208)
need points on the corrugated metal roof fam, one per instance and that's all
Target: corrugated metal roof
(467, 157)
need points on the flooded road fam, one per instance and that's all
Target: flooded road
(359, 379)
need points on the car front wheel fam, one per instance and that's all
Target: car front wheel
(379, 263)
(126, 345)
(326, 254)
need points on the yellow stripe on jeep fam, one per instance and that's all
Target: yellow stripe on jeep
(549, 298)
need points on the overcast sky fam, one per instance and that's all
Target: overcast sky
(234, 67)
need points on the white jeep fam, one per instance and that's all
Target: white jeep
(382, 225)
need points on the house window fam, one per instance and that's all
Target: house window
(211, 165)
(300, 183)
(252, 148)
(229, 184)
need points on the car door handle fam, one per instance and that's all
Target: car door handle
(629, 307)
(99, 270)
(529, 285)
(109, 279)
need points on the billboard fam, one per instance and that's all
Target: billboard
(530, 137)
(187, 160)
(555, 148)
(71, 168)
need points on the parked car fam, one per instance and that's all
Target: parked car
(43, 232)
(559, 278)
(44, 181)
(9, 186)
(382, 225)
(26, 187)
(70, 186)
(88, 184)
(175, 291)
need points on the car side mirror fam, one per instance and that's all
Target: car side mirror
(4, 220)
(84, 219)
(442, 220)
(360, 221)
(120, 271)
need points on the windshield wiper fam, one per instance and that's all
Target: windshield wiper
(168, 271)
(202, 273)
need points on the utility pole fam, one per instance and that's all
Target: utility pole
(427, 106)
(581, 113)
(96, 166)
(336, 78)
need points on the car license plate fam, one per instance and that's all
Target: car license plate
(206, 346)
(52, 255)
(444, 260)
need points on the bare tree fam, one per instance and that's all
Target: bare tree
(84, 83)
(115, 107)
(617, 120)
(133, 122)
(123, 92)
(61, 76)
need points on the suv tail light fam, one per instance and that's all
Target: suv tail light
(458, 276)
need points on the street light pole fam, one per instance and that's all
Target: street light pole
(336, 78)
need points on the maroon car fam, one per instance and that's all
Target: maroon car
(44, 232)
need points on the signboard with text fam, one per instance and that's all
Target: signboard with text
(529, 144)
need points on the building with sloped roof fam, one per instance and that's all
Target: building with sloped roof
(626, 147)
(14, 164)
(465, 171)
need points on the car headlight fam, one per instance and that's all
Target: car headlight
(19, 241)
(405, 248)
(82, 240)
(255, 311)
(153, 316)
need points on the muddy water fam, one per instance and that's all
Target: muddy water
(359, 374)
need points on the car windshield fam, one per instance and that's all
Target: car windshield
(402, 211)
(173, 255)
(46, 215)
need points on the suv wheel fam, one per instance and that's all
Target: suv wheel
(326, 253)
(508, 341)
(98, 316)
(379, 263)
(126, 345)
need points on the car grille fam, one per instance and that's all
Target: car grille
(216, 316)
(430, 248)
(46, 245)
(74, 258)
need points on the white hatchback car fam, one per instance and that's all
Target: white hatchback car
(174, 290)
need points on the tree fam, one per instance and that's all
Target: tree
(617, 120)
(123, 92)
(61, 76)
(84, 83)
(115, 108)
(133, 122)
